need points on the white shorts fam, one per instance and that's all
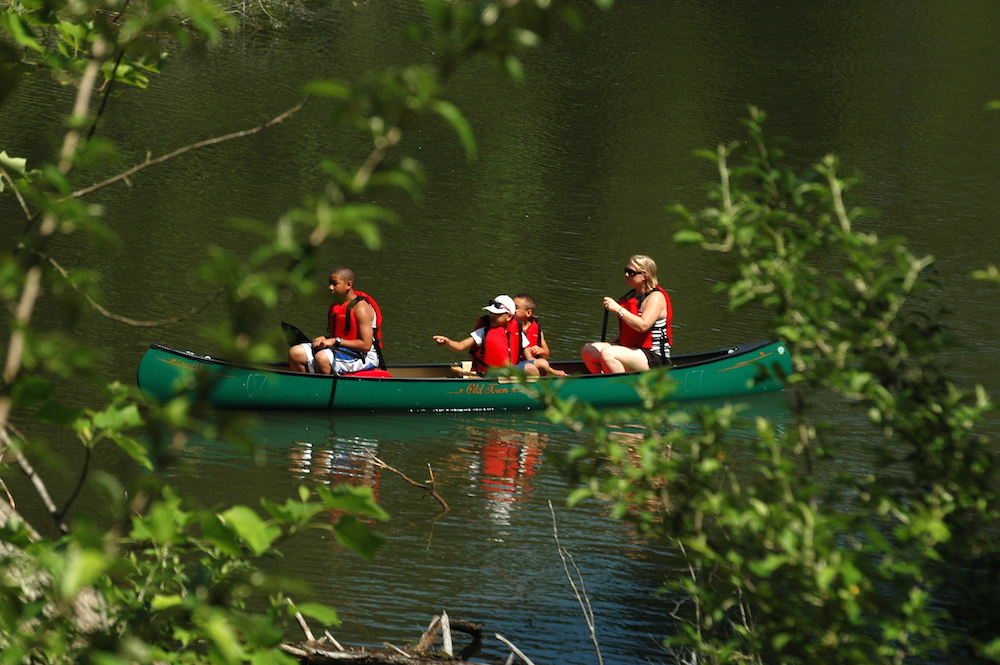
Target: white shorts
(343, 361)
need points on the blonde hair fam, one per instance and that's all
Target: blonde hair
(648, 266)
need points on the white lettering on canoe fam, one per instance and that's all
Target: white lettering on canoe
(693, 380)
(254, 384)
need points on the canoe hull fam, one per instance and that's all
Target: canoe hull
(165, 372)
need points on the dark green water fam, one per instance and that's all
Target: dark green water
(577, 165)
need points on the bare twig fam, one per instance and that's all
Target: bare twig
(581, 593)
(361, 178)
(124, 319)
(427, 639)
(429, 489)
(6, 491)
(8, 444)
(79, 486)
(194, 146)
(446, 635)
(302, 623)
(333, 640)
(524, 659)
(17, 193)
(397, 649)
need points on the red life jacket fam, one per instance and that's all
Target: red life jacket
(342, 322)
(533, 331)
(629, 336)
(501, 346)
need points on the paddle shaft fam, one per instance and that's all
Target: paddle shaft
(604, 330)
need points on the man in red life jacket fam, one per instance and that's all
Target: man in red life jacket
(351, 343)
(497, 341)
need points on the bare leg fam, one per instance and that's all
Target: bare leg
(298, 359)
(324, 362)
(530, 369)
(545, 369)
(591, 355)
(617, 359)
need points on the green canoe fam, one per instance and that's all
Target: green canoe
(164, 372)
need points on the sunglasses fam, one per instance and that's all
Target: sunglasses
(632, 273)
(494, 303)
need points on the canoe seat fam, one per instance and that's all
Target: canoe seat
(371, 373)
(464, 368)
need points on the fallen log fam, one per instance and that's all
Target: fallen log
(321, 652)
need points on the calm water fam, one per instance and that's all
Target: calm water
(576, 168)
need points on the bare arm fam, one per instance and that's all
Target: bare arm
(465, 345)
(654, 308)
(542, 349)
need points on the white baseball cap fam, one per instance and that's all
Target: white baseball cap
(501, 305)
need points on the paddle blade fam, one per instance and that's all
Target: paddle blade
(293, 335)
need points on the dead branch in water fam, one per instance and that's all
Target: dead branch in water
(427, 488)
(318, 652)
(581, 593)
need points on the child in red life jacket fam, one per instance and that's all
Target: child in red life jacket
(497, 342)
(524, 311)
(351, 344)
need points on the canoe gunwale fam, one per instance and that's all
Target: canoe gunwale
(694, 360)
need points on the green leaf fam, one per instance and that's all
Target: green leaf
(578, 495)
(14, 166)
(117, 417)
(160, 603)
(83, 567)
(134, 449)
(514, 68)
(453, 115)
(272, 657)
(57, 413)
(332, 89)
(223, 637)
(31, 390)
(322, 613)
(251, 528)
(688, 237)
(355, 536)
(349, 499)
(215, 532)
(21, 33)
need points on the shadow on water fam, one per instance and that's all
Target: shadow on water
(492, 559)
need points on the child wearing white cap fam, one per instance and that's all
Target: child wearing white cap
(497, 341)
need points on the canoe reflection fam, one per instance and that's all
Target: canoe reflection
(507, 461)
(487, 466)
(495, 455)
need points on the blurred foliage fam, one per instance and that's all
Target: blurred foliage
(803, 556)
(156, 577)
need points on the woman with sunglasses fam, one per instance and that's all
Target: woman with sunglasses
(644, 334)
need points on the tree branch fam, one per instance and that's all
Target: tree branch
(17, 193)
(6, 443)
(429, 489)
(123, 319)
(581, 594)
(194, 146)
(32, 283)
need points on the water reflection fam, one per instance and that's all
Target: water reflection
(492, 559)
(335, 459)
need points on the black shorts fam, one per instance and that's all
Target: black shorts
(654, 360)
